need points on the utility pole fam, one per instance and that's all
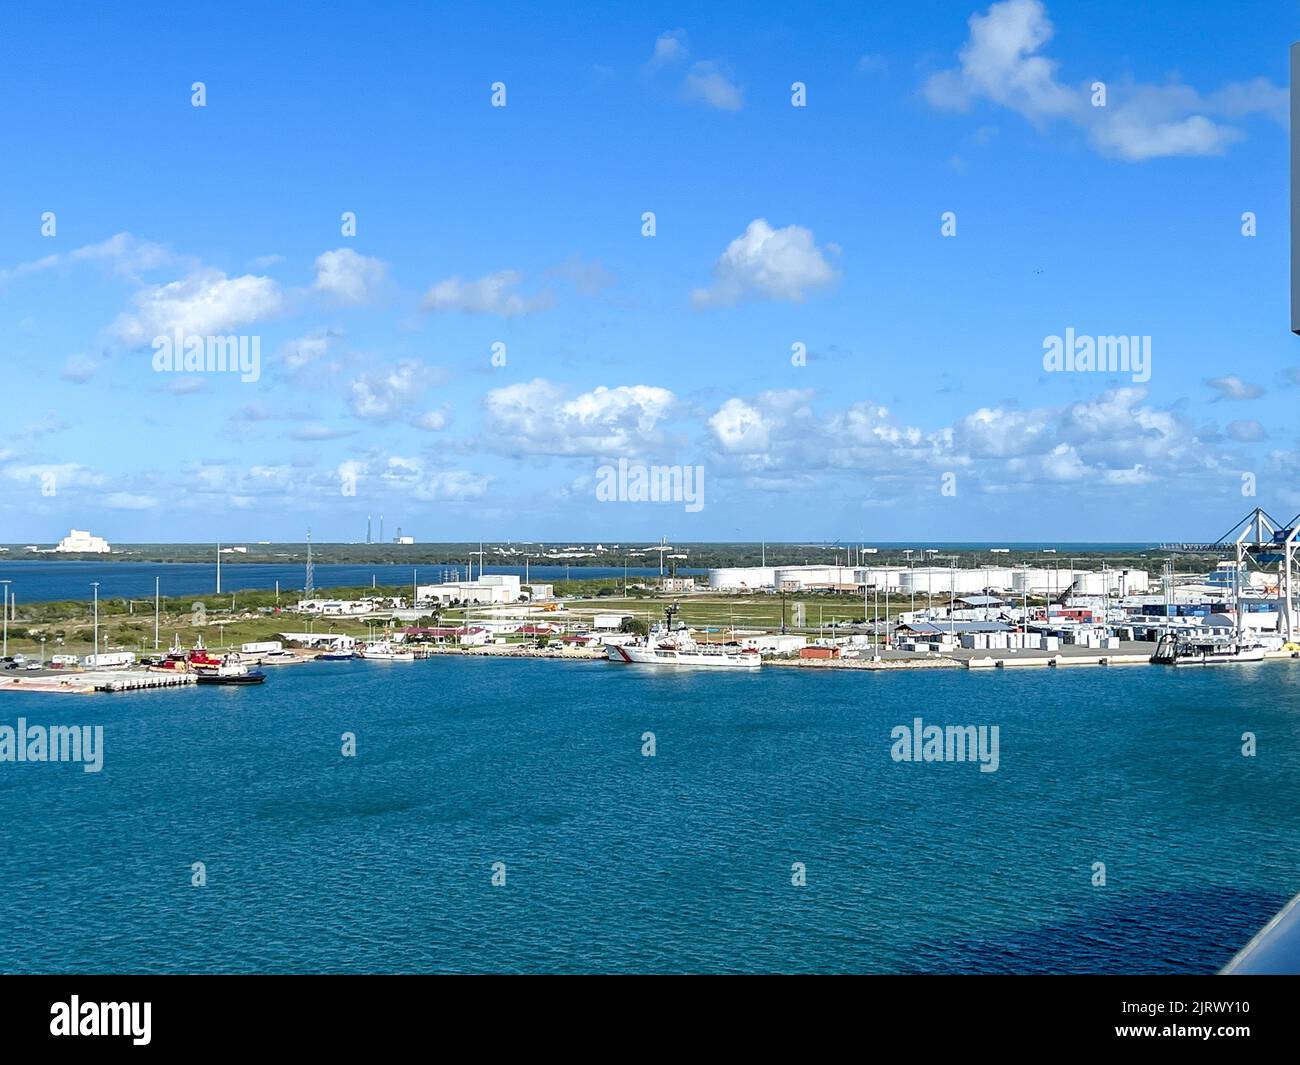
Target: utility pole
(218, 567)
(6, 619)
(311, 581)
(155, 613)
(95, 585)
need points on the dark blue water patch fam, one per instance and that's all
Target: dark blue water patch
(1124, 934)
(681, 862)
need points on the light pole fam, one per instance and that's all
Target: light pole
(6, 619)
(155, 613)
(95, 585)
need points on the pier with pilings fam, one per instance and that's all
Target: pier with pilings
(77, 682)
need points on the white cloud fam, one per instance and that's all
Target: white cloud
(1062, 463)
(65, 474)
(670, 47)
(708, 83)
(739, 426)
(998, 433)
(1115, 439)
(124, 254)
(433, 421)
(536, 417)
(412, 478)
(1001, 61)
(1233, 387)
(348, 276)
(769, 263)
(998, 62)
(207, 303)
(312, 348)
(491, 294)
(382, 395)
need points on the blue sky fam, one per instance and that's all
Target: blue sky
(522, 225)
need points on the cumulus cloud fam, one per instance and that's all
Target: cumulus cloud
(413, 477)
(492, 294)
(383, 395)
(1002, 62)
(310, 349)
(670, 47)
(1115, 439)
(767, 263)
(207, 303)
(709, 83)
(537, 417)
(433, 421)
(349, 277)
(740, 426)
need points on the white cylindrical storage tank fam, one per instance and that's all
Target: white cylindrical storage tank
(741, 578)
(926, 579)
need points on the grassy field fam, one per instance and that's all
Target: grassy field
(228, 621)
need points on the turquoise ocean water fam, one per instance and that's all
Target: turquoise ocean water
(680, 862)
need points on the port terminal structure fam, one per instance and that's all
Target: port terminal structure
(1261, 539)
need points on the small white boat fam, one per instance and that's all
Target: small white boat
(383, 651)
(280, 658)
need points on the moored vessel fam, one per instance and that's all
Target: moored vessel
(669, 645)
(1192, 649)
(383, 651)
(229, 670)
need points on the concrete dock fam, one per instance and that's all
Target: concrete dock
(78, 682)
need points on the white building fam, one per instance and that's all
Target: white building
(608, 622)
(774, 643)
(348, 607)
(489, 588)
(334, 640)
(109, 660)
(79, 541)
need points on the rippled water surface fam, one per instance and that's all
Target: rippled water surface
(615, 861)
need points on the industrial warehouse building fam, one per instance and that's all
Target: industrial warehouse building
(929, 580)
(488, 589)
